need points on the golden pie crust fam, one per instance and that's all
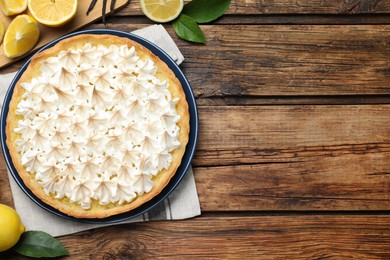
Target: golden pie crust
(160, 180)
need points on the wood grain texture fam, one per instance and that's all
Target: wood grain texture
(254, 237)
(286, 134)
(323, 185)
(256, 7)
(294, 158)
(290, 60)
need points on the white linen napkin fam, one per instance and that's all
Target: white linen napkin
(181, 204)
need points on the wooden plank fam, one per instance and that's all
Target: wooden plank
(253, 7)
(286, 134)
(48, 34)
(351, 182)
(248, 237)
(294, 158)
(290, 60)
(284, 19)
(294, 100)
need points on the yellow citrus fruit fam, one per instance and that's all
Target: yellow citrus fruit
(21, 36)
(2, 30)
(52, 12)
(12, 7)
(162, 11)
(11, 227)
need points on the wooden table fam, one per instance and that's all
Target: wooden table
(293, 159)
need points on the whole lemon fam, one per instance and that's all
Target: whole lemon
(11, 227)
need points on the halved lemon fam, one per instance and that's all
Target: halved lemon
(12, 7)
(21, 36)
(162, 11)
(53, 12)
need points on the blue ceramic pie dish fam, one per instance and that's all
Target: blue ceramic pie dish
(186, 160)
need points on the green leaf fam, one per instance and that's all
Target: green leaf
(204, 11)
(39, 244)
(188, 29)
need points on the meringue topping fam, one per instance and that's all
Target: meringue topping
(97, 125)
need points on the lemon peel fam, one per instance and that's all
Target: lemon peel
(11, 227)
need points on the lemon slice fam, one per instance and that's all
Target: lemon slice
(12, 7)
(53, 12)
(161, 11)
(21, 36)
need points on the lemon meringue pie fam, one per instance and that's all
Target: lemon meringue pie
(97, 125)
